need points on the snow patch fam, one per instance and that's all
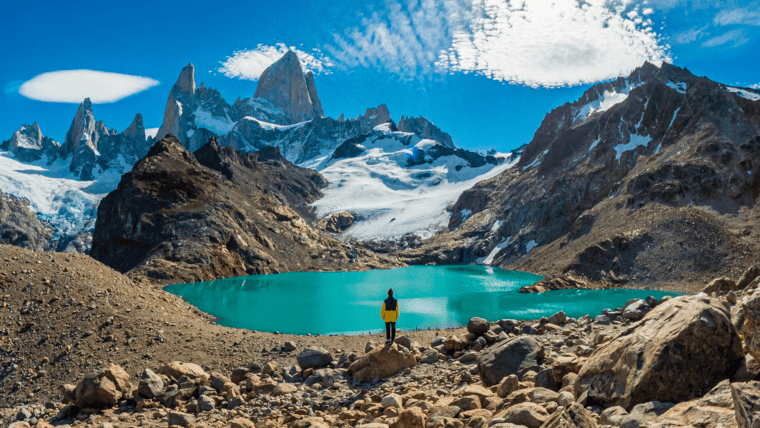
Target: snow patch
(680, 87)
(386, 127)
(604, 103)
(752, 96)
(151, 133)
(217, 125)
(271, 126)
(536, 160)
(635, 141)
(591, 147)
(497, 225)
(530, 245)
(190, 133)
(487, 260)
(465, 213)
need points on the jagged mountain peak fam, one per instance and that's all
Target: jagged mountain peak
(186, 81)
(283, 84)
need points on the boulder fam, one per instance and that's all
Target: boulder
(636, 310)
(181, 419)
(644, 413)
(507, 326)
(507, 385)
(314, 357)
(150, 384)
(283, 389)
(177, 369)
(747, 403)
(530, 415)
(558, 318)
(478, 326)
(613, 416)
(516, 356)
(679, 351)
(410, 418)
(206, 403)
(574, 416)
(748, 370)
(749, 323)
(719, 285)
(381, 362)
(469, 402)
(749, 275)
(404, 341)
(103, 389)
(241, 423)
(429, 357)
(392, 400)
(454, 343)
(19, 424)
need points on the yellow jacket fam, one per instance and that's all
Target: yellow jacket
(390, 310)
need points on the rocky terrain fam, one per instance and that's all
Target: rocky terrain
(646, 181)
(19, 226)
(215, 213)
(83, 345)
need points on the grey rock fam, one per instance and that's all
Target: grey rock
(314, 357)
(181, 419)
(429, 357)
(478, 326)
(284, 85)
(150, 384)
(636, 310)
(206, 403)
(516, 356)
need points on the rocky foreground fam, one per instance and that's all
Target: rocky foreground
(84, 345)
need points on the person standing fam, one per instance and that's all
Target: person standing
(390, 313)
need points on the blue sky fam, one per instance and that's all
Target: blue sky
(485, 71)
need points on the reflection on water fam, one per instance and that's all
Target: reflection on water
(349, 302)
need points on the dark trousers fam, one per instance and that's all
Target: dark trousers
(390, 331)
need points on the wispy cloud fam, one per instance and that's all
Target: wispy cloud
(689, 36)
(72, 86)
(249, 64)
(742, 16)
(550, 44)
(736, 38)
(755, 86)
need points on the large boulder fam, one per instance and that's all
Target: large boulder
(530, 415)
(410, 418)
(150, 384)
(478, 326)
(381, 362)
(314, 357)
(747, 321)
(103, 389)
(516, 356)
(574, 416)
(679, 351)
(747, 403)
(177, 369)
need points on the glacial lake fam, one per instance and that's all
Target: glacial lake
(349, 302)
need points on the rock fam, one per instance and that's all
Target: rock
(558, 319)
(747, 403)
(339, 222)
(543, 395)
(507, 385)
(283, 389)
(445, 423)
(636, 311)
(574, 416)
(104, 389)
(478, 326)
(19, 424)
(478, 391)
(404, 341)
(530, 415)
(602, 319)
(749, 275)
(150, 384)
(392, 400)
(410, 418)
(748, 322)
(643, 413)
(720, 285)
(679, 351)
(467, 403)
(468, 357)
(289, 346)
(283, 84)
(206, 403)
(381, 362)
(613, 416)
(748, 370)
(429, 357)
(516, 356)
(314, 357)
(565, 398)
(181, 419)
(241, 423)
(507, 325)
(177, 369)
(450, 411)
(454, 343)
(24, 414)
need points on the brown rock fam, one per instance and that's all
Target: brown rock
(446, 423)
(381, 362)
(241, 423)
(177, 369)
(410, 418)
(467, 403)
(679, 351)
(478, 391)
(719, 285)
(574, 416)
(747, 403)
(507, 385)
(96, 392)
(714, 409)
(529, 414)
(478, 326)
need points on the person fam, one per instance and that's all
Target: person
(390, 313)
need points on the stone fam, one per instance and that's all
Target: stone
(283, 389)
(679, 351)
(719, 286)
(507, 385)
(381, 362)
(150, 384)
(404, 341)
(469, 402)
(516, 356)
(206, 403)
(478, 326)
(530, 415)
(104, 389)
(283, 84)
(748, 370)
(437, 422)
(454, 343)
(507, 326)
(392, 400)
(468, 357)
(749, 324)
(558, 319)
(410, 418)
(543, 395)
(636, 310)
(478, 391)
(746, 397)
(643, 413)
(241, 423)
(181, 419)
(613, 416)
(289, 346)
(24, 414)
(177, 369)
(573, 416)
(19, 424)
(429, 357)
(314, 357)
(565, 398)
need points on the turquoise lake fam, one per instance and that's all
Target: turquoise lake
(349, 302)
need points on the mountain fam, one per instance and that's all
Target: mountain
(648, 180)
(285, 85)
(28, 144)
(19, 226)
(184, 217)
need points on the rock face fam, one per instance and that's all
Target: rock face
(284, 85)
(381, 362)
(20, 227)
(516, 356)
(672, 145)
(746, 319)
(574, 416)
(424, 128)
(747, 403)
(28, 145)
(679, 351)
(216, 213)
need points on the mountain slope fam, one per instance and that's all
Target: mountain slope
(646, 180)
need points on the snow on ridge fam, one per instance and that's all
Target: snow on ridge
(752, 96)
(605, 101)
(680, 87)
(218, 125)
(271, 126)
(635, 141)
(487, 260)
(530, 245)
(151, 132)
(392, 199)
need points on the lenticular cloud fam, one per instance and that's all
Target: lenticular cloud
(249, 64)
(73, 86)
(551, 44)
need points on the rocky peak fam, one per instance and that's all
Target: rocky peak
(186, 81)
(135, 131)
(28, 144)
(374, 116)
(425, 128)
(82, 129)
(318, 111)
(284, 85)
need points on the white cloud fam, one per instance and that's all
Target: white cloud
(73, 86)
(249, 64)
(743, 16)
(735, 37)
(552, 44)
(688, 36)
(647, 11)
